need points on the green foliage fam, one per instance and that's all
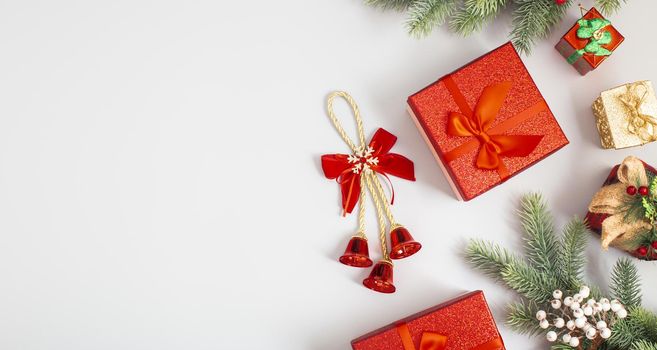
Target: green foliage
(489, 258)
(644, 345)
(554, 262)
(625, 283)
(530, 22)
(526, 280)
(572, 258)
(391, 4)
(532, 19)
(641, 325)
(609, 6)
(424, 15)
(541, 244)
(466, 22)
(522, 318)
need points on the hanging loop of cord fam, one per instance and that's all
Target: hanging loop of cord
(338, 126)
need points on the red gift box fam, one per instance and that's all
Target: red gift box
(463, 323)
(596, 220)
(486, 122)
(570, 43)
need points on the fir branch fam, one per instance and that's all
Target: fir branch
(489, 258)
(625, 283)
(646, 321)
(572, 257)
(424, 15)
(644, 345)
(390, 4)
(641, 324)
(609, 6)
(485, 8)
(465, 21)
(533, 285)
(501, 265)
(522, 318)
(540, 241)
(533, 20)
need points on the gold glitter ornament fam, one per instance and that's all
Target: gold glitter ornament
(626, 115)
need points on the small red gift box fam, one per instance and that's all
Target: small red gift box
(571, 43)
(486, 122)
(463, 323)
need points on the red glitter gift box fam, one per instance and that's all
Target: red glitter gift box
(486, 122)
(463, 323)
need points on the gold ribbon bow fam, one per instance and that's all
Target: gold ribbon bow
(611, 200)
(642, 125)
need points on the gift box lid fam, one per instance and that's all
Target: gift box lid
(466, 321)
(523, 112)
(573, 40)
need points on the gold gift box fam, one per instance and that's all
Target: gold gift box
(627, 115)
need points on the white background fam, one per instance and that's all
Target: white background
(160, 184)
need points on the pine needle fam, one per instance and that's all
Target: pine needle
(522, 318)
(489, 258)
(644, 345)
(540, 241)
(608, 7)
(530, 22)
(390, 4)
(625, 283)
(572, 257)
(424, 15)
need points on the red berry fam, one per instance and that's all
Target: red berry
(643, 251)
(643, 190)
(654, 245)
(560, 2)
(631, 190)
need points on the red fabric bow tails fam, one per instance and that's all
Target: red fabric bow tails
(493, 144)
(348, 169)
(357, 174)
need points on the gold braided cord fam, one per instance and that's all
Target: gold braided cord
(338, 126)
(384, 199)
(381, 217)
(361, 212)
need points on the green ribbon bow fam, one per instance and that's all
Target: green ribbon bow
(592, 29)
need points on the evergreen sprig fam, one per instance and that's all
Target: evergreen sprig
(532, 19)
(557, 262)
(572, 257)
(610, 6)
(424, 15)
(625, 283)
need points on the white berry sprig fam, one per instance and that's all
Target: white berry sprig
(572, 318)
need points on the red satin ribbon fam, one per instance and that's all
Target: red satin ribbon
(435, 341)
(490, 140)
(337, 166)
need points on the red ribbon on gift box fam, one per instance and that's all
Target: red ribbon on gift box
(435, 341)
(492, 142)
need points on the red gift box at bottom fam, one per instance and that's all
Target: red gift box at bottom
(463, 323)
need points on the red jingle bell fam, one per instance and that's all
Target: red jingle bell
(357, 253)
(403, 244)
(380, 279)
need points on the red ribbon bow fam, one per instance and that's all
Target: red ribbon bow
(435, 341)
(493, 145)
(347, 169)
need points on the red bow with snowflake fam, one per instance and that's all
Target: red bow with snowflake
(348, 169)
